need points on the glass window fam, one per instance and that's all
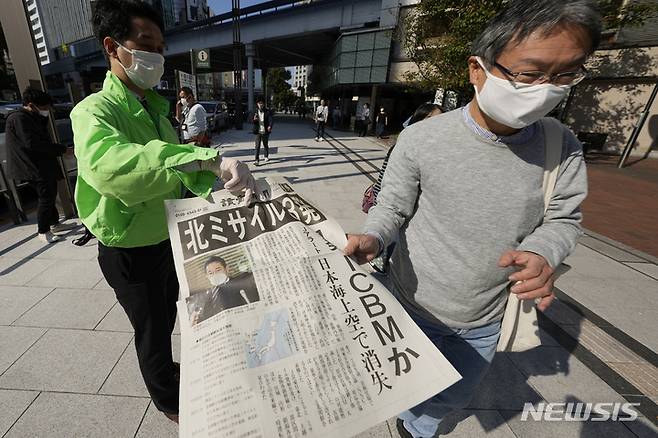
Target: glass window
(364, 58)
(378, 74)
(362, 75)
(366, 41)
(380, 57)
(346, 75)
(347, 59)
(383, 40)
(348, 43)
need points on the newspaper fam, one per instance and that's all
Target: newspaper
(281, 334)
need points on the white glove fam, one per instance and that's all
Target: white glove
(234, 173)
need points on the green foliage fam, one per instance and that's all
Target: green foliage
(280, 89)
(438, 34)
(438, 38)
(617, 13)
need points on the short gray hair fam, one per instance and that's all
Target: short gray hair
(519, 19)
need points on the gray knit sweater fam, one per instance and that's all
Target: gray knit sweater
(459, 197)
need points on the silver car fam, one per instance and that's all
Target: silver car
(217, 114)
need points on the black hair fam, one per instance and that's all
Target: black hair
(113, 18)
(187, 90)
(214, 259)
(423, 111)
(367, 104)
(260, 99)
(518, 19)
(37, 97)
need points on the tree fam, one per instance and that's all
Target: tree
(437, 35)
(277, 82)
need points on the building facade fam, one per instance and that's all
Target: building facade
(63, 22)
(37, 25)
(300, 79)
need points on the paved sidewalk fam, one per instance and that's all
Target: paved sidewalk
(68, 366)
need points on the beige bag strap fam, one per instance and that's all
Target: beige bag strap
(553, 136)
(518, 331)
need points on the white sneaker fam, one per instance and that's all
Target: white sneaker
(48, 237)
(266, 159)
(60, 228)
(256, 162)
(316, 139)
(321, 138)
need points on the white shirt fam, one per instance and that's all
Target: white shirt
(322, 113)
(261, 121)
(195, 120)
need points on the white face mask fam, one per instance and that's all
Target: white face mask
(520, 106)
(218, 278)
(147, 68)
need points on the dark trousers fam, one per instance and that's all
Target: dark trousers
(47, 213)
(264, 138)
(144, 281)
(320, 130)
(363, 129)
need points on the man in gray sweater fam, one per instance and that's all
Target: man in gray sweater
(464, 192)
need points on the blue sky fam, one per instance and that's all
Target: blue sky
(221, 6)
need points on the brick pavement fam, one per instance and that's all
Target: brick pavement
(623, 203)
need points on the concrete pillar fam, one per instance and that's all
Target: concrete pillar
(250, 51)
(263, 79)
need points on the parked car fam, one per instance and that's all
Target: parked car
(217, 114)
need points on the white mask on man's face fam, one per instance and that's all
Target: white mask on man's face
(517, 106)
(218, 278)
(146, 69)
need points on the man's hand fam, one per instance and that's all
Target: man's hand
(533, 280)
(363, 247)
(234, 173)
(269, 129)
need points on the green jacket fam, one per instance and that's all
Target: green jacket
(126, 165)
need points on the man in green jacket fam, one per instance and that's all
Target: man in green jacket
(129, 163)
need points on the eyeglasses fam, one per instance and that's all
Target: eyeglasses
(539, 77)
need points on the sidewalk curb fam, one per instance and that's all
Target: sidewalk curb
(621, 246)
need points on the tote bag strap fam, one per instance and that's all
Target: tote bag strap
(553, 135)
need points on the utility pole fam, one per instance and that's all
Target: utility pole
(192, 64)
(637, 128)
(237, 64)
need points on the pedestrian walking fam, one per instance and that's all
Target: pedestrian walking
(465, 193)
(32, 157)
(381, 122)
(365, 120)
(193, 118)
(321, 115)
(129, 162)
(262, 129)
